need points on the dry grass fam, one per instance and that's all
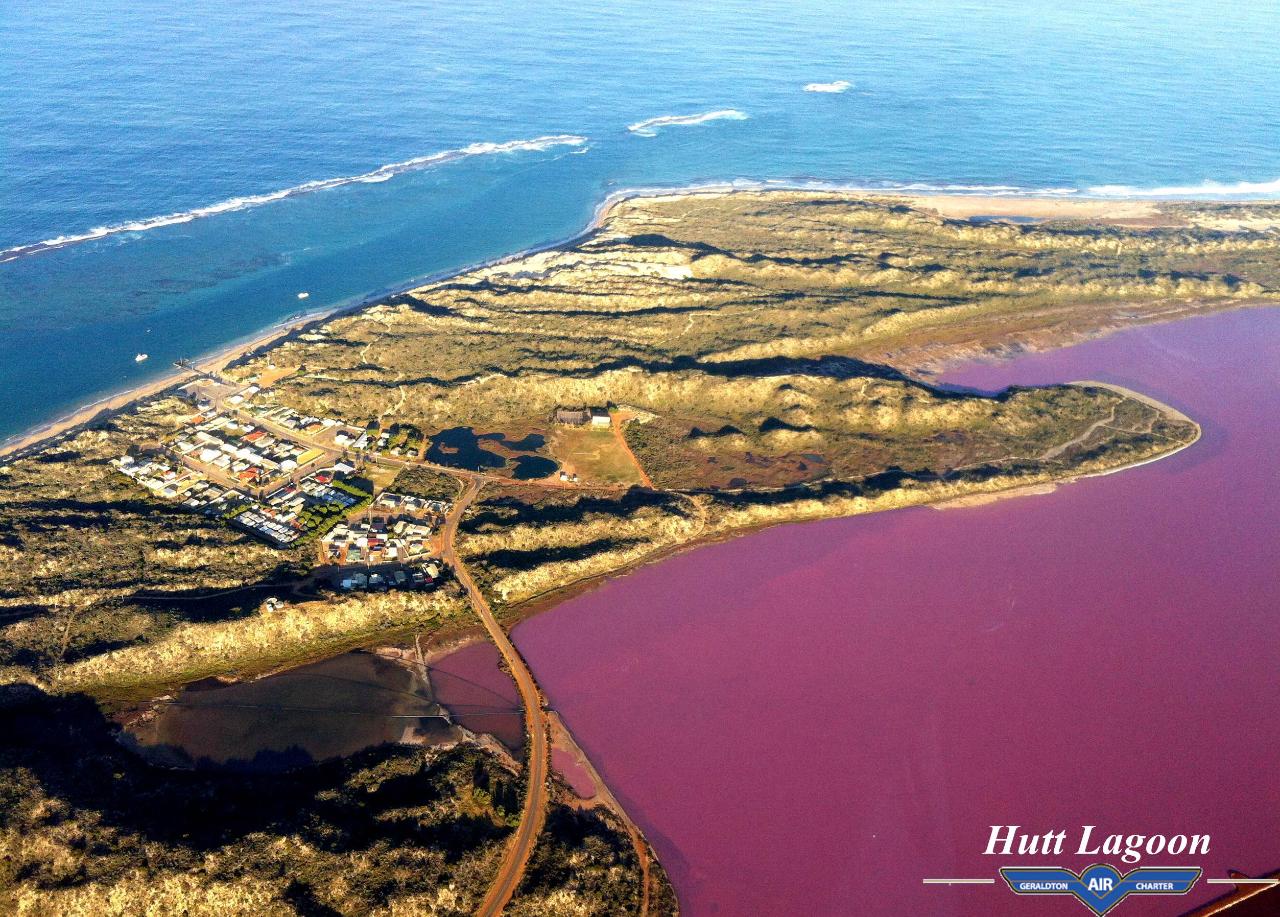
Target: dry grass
(264, 641)
(714, 317)
(594, 455)
(79, 541)
(520, 545)
(751, 275)
(87, 828)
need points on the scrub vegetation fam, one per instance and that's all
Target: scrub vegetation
(87, 829)
(585, 864)
(107, 589)
(425, 483)
(761, 350)
(521, 543)
(763, 358)
(90, 562)
(676, 295)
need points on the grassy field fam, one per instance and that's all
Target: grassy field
(594, 454)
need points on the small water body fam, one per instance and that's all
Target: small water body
(325, 710)
(532, 467)
(575, 775)
(332, 709)
(840, 709)
(173, 176)
(462, 447)
(986, 218)
(480, 694)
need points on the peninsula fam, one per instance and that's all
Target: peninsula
(696, 366)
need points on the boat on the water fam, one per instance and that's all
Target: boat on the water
(139, 358)
(303, 295)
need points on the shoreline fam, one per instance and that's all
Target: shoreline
(955, 204)
(412, 641)
(511, 616)
(110, 404)
(1033, 490)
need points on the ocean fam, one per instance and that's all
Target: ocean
(172, 176)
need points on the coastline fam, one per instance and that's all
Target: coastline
(603, 212)
(1031, 490)
(106, 406)
(517, 612)
(952, 204)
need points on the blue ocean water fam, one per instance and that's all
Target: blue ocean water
(214, 159)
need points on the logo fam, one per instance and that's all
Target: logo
(1100, 887)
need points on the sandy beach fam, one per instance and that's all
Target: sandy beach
(105, 407)
(961, 207)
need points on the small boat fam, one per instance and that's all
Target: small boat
(139, 358)
(303, 295)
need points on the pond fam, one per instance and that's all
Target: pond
(333, 708)
(462, 447)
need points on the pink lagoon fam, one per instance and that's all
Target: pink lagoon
(812, 719)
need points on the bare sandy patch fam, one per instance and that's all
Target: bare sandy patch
(964, 207)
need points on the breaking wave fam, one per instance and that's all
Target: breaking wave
(836, 86)
(1206, 188)
(380, 174)
(651, 126)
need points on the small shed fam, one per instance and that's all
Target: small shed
(572, 417)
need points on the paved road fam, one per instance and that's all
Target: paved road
(534, 814)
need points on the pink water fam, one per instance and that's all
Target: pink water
(574, 774)
(810, 720)
(479, 694)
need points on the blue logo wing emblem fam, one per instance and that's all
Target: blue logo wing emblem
(1100, 887)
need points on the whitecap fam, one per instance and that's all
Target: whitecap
(815, 184)
(380, 174)
(835, 86)
(1207, 188)
(650, 126)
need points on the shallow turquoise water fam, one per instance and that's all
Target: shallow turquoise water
(115, 114)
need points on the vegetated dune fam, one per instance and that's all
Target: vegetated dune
(521, 544)
(764, 351)
(86, 829)
(291, 633)
(760, 339)
(719, 278)
(90, 562)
